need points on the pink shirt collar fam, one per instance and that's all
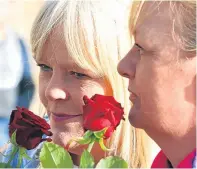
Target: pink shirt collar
(161, 161)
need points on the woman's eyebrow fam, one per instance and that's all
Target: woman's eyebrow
(36, 59)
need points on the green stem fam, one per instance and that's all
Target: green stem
(15, 150)
(90, 146)
(19, 158)
(102, 145)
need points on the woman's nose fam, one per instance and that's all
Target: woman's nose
(56, 89)
(127, 66)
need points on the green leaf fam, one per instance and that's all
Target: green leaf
(13, 138)
(86, 161)
(100, 134)
(112, 162)
(54, 156)
(4, 165)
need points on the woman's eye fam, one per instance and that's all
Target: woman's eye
(78, 75)
(44, 67)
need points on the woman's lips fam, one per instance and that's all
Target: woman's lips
(62, 117)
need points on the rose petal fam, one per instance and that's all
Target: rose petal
(97, 124)
(109, 132)
(100, 112)
(109, 99)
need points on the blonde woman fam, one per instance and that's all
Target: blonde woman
(163, 59)
(77, 45)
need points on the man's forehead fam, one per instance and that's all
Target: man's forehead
(153, 19)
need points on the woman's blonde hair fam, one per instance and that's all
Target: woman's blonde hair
(96, 38)
(183, 15)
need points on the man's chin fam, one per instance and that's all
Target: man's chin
(135, 119)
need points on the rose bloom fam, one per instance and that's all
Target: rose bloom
(101, 112)
(29, 128)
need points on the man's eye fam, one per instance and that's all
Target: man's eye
(139, 48)
(44, 67)
(78, 75)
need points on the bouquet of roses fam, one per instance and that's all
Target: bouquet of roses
(101, 116)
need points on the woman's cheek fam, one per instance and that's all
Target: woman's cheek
(43, 82)
(91, 88)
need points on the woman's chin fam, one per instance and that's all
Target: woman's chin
(63, 139)
(77, 149)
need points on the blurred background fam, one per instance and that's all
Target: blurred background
(18, 71)
(19, 16)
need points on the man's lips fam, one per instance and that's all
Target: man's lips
(62, 117)
(133, 96)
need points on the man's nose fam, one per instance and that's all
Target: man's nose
(127, 66)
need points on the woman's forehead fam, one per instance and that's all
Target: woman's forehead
(55, 50)
(56, 36)
(54, 47)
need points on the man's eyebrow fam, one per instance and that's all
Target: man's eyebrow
(136, 34)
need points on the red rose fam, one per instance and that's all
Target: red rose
(30, 128)
(100, 112)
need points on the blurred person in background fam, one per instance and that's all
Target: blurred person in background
(16, 86)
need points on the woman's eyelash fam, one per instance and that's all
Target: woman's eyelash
(78, 75)
(44, 67)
